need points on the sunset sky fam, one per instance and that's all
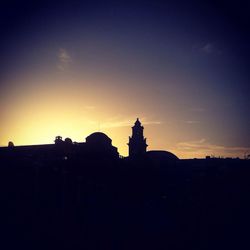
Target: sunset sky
(71, 68)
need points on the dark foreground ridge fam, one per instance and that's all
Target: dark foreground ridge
(84, 196)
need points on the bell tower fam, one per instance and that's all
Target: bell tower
(137, 143)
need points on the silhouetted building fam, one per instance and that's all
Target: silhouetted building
(161, 157)
(138, 148)
(137, 143)
(97, 146)
(100, 144)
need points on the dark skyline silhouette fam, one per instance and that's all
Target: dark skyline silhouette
(74, 67)
(82, 195)
(96, 144)
(74, 75)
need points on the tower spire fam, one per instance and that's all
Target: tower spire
(137, 143)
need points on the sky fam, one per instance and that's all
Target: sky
(71, 68)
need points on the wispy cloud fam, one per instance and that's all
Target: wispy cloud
(197, 110)
(152, 122)
(207, 48)
(89, 107)
(64, 59)
(202, 148)
(116, 122)
(192, 122)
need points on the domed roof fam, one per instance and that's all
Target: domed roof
(68, 140)
(98, 137)
(161, 155)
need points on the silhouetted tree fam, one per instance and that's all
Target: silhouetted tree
(10, 144)
(58, 140)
